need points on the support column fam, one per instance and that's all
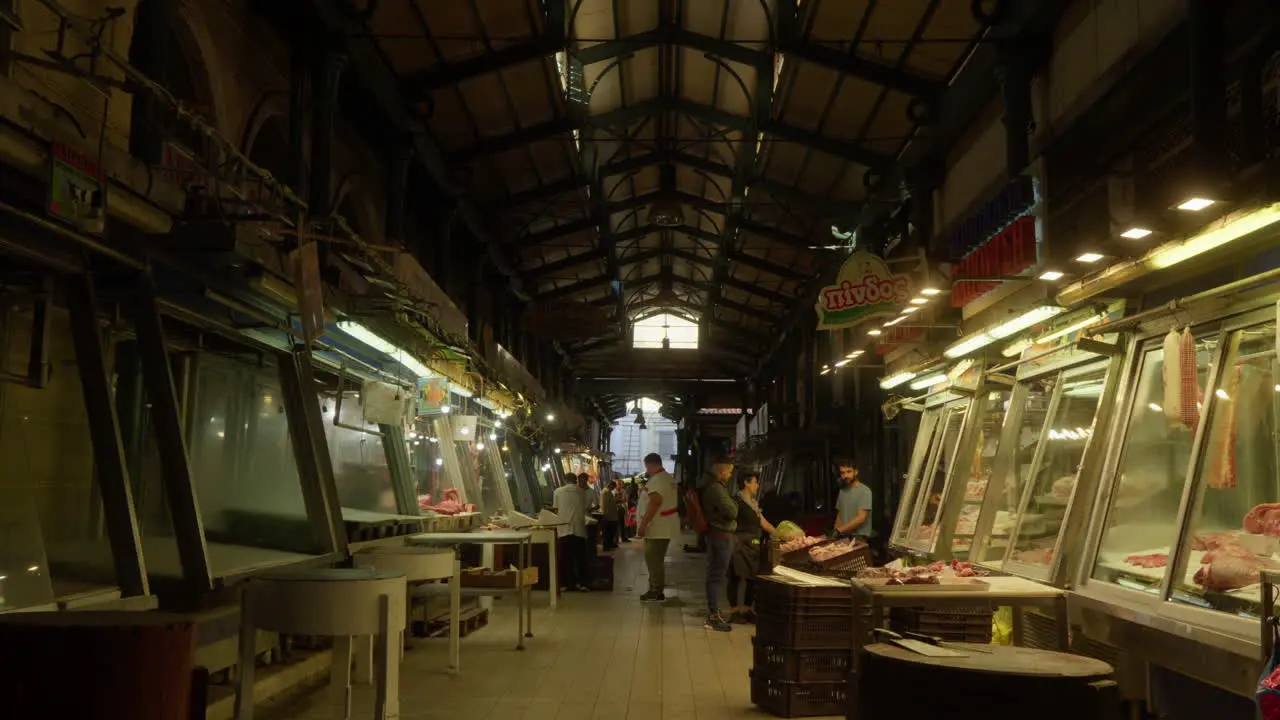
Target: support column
(1014, 73)
(109, 462)
(299, 88)
(320, 495)
(175, 466)
(324, 106)
(152, 53)
(397, 191)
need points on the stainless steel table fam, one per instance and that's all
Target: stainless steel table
(520, 538)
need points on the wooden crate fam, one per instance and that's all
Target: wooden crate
(502, 579)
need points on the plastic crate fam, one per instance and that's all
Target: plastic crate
(793, 700)
(805, 630)
(790, 665)
(775, 593)
(856, 559)
(954, 624)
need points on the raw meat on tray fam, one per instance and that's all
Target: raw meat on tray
(1150, 560)
(1263, 519)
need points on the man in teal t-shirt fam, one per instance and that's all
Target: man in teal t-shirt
(853, 504)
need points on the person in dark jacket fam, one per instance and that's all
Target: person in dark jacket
(721, 511)
(746, 553)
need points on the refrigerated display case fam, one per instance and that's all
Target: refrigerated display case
(935, 458)
(1186, 516)
(1044, 481)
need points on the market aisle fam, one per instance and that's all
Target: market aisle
(599, 655)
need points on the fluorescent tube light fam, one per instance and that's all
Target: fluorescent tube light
(1015, 349)
(929, 381)
(1024, 321)
(1196, 204)
(1135, 233)
(382, 345)
(842, 363)
(460, 391)
(930, 291)
(854, 354)
(825, 371)
(894, 381)
(1226, 232)
(895, 321)
(910, 309)
(1075, 327)
(874, 332)
(969, 344)
(919, 301)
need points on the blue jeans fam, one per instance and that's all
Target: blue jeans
(719, 555)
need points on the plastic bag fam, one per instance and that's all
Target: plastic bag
(787, 530)
(1267, 694)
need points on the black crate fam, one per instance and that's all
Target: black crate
(780, 594)
(793, 700)
(805, 631)
(791, 665)
(954, 624)
(602, 573)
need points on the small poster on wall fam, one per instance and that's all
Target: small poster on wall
(864, 288)
(433, 395)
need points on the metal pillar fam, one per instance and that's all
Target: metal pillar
(175, 466)
(1208, 87)
(324, 105)
(152, 53)
(319, 490)
(109, 464)
(299, 86)
(1014, 74)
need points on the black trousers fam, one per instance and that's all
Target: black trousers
(609, 533)
(749, 593)
(577, 569)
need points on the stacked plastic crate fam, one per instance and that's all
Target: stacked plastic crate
(803, 649)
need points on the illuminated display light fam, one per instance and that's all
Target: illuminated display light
(1195, 204)
(894, 381)
(1135, 233)
(1051, 275)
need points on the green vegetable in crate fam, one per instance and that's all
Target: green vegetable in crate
(787, 530)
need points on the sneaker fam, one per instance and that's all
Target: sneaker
(653, 596)
(717, 623)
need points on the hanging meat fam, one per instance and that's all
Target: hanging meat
(1172, 378)
(1189, 389)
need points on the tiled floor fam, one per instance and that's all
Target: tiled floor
(599, 655)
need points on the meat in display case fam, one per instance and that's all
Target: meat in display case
(944, 450)
(1189, 517)
(1053, 485)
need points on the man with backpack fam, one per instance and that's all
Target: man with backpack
(658, 524)
(718, 513)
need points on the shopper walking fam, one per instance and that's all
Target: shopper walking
(721, 512)
(571, 505)
(753, 528)
(609, 518)
(658, 524)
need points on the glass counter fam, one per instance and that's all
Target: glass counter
(526, 493)
(492, 477)
(1149, 475)
(1023, 426)
(978, 480)
(921, 526)
(1233, 521)
(1048, 490)
(360, 469)
(921, 452)
(53, 541)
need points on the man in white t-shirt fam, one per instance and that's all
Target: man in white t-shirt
(658, 524)
(571, 505)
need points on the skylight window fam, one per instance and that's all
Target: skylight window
(677, 332)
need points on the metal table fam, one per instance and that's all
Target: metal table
(520, 538)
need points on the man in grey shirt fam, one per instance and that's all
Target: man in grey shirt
(853, 504)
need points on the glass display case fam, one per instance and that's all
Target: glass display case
(356, 449)
(979, 479)
(1187, 520)
(526, 490)
(1153, 451)
(934, 455)
(53, 541)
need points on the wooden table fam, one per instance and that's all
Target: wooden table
(990, 681)
(522, 539)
